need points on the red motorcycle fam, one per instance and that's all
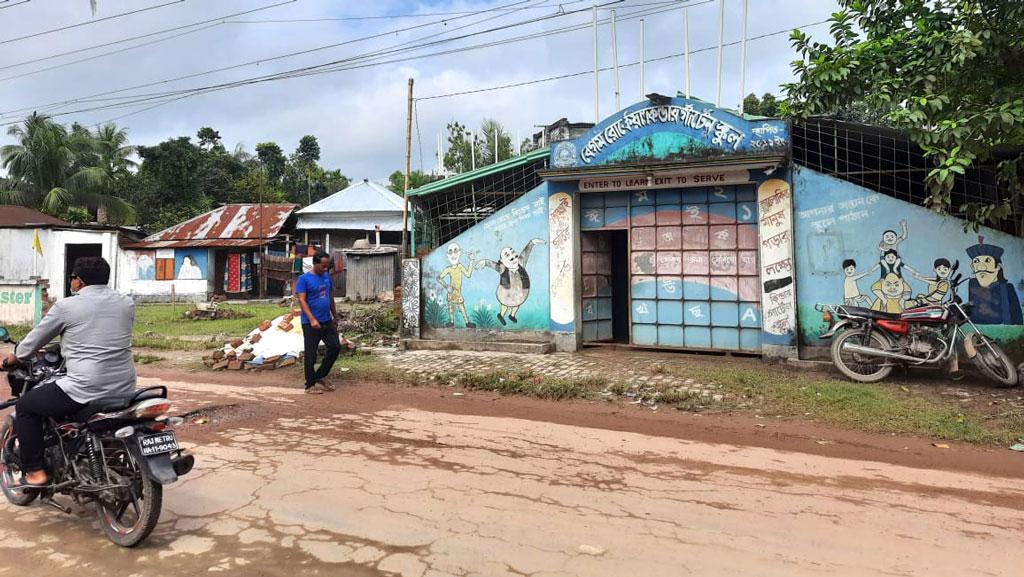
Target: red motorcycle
(867, 344)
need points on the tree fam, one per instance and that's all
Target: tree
(168, 188)
(53, 169)
(490, 131)
(467, 150)
(208, 138)
(459, 156)
(272, 160)
(767, 105)
(396, 182)
(308, 151)
(946, 72)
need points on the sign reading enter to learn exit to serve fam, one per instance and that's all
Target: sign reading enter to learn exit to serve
(666, 180)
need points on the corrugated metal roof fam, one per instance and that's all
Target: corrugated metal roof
(13, 215)
(490, 169)
(390, 221)
(363, 196)
(229, 222)
(207, 243)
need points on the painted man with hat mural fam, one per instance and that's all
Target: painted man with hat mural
(994, 298)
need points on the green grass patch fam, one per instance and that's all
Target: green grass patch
(877, 408)
(145, 359)
(167, 321)
(527, 383)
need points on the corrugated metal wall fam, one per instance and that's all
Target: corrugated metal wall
(368, 275)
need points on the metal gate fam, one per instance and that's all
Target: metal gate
(693, 264)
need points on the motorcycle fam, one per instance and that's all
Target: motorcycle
(867, 344)
(116, 453)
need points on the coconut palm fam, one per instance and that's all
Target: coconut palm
(110, 144)
(52, 169)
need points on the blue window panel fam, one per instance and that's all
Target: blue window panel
(604, 288)
(592, 200)
(670, 196)
(642, 198)
(604, 330)
(616, 216)
(670, 312)
(746, 212)
(645, 334)
(696, 313)
(746, 193)
(750, 339)
(697, 337)
(696, 290)
(604, 309)
(670, 336)
(644, 311)
(725, 338)
(750, 315)
(721, 194)
(670, 288)
(722, 212)
(589, 310)
(644, 288)
(591, 218)
(642, 215)
(725, 314)
(695, 195)
(618, 198)
(590, 331)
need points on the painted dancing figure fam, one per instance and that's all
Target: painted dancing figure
(514, 281)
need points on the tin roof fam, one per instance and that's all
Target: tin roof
(481, 172)
(13, 215)
(231, 225)
(363, 196)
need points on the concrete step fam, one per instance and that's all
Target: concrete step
(478, 346)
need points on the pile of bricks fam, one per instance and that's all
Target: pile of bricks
(218, 360)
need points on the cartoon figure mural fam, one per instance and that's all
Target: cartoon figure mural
(938, 285)
(893, 293)
(891, 241)
(891, 266)
(851, 292)
(514, 280)
(994, 298)
(456, 271)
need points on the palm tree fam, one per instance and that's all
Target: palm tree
(111, 145)
(53, 169)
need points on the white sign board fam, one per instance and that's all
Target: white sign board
(676, 179)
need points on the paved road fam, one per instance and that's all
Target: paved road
(297, 489)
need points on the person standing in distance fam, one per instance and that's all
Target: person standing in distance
(319, 322)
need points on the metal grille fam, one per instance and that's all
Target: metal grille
(886, 161)
(447, 213)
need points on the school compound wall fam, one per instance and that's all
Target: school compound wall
(868, 249)
(509, 277)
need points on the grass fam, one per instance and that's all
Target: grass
(527, 383)
(145, 359)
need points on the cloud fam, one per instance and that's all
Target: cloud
(359, 115)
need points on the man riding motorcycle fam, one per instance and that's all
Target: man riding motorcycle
(96, 338)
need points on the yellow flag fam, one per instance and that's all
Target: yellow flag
(36, 245)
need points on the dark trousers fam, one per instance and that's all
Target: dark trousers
(31, 412)
(327, 333)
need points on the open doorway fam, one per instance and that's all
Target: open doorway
(605, 297)
(73, 252)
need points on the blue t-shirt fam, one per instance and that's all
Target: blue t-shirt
(318, 295)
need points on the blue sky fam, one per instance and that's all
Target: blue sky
(359, 114)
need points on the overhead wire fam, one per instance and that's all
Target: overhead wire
(15, 4)
(90, 22)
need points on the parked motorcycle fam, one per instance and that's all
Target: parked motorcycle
(116, 453)
(867, 344)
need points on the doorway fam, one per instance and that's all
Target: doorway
(73, 252)
(605, 297)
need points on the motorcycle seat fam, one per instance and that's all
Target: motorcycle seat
(116, 403)
(870, 313)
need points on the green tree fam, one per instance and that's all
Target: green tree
(272, 160)
(308, 151)
(459, 156)
(947, 72)
(396, 182)
(767, 105)
(168, 188)
(52, 169)
(208, 138)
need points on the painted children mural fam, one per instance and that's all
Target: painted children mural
(891, 241)
(938, 285)
(892, 293)
(851, 291)
(995, 300)
(514, 280)
(455, 272)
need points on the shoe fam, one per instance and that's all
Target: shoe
(513, 318)
(501, 319)
(24, 484)
(450, 325)
(470, 325)
(326, 385)
(313, 390)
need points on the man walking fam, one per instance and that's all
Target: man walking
(319, 322)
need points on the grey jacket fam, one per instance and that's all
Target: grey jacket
(96, 339)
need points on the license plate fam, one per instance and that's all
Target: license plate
(158, 444)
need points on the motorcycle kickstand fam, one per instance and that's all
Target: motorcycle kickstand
(52, 503)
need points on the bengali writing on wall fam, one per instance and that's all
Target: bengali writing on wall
(776, 248)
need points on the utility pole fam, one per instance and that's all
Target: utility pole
(743, 57)
(721, 40)
(408, 161)
(615, 63)
(643, 57)
(597, 87)
(686, 47)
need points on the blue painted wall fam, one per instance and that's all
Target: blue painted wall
(838, 223)
(518, 229)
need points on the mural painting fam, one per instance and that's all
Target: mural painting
(560, 231)
(776, 250)
(190, 263)
(411, 298)
(142, 264)
(911, 264)
(457, 293)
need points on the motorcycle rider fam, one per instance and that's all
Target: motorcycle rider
(96, 339)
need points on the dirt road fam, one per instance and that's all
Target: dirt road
(382, 479)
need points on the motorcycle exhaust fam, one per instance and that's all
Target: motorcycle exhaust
(854, 348)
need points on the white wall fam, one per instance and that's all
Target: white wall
(160, 290)
(17, 255)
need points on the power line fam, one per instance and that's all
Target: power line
(88, 22)
(15, 4)
(218, 20)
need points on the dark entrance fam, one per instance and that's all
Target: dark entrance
(73, 252)
(605, 294)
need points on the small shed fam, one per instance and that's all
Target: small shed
(369, 272)
(355, 213)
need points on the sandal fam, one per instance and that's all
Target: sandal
(313, 391)
(327, 386)
(24, 484)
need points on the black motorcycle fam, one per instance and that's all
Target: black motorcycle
(116, 453)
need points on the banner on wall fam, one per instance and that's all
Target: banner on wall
(675, 179)
(776, 257)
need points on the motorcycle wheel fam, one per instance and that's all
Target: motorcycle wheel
(133, 517)
(992, 361)
(10, 471)
(860, 368)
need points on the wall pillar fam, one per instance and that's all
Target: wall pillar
(778, 286)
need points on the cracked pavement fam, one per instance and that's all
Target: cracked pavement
(297, 486)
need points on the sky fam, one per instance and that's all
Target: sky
(359, 114)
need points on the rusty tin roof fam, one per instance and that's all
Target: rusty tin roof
(232, 225)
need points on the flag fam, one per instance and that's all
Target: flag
(36, 245)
